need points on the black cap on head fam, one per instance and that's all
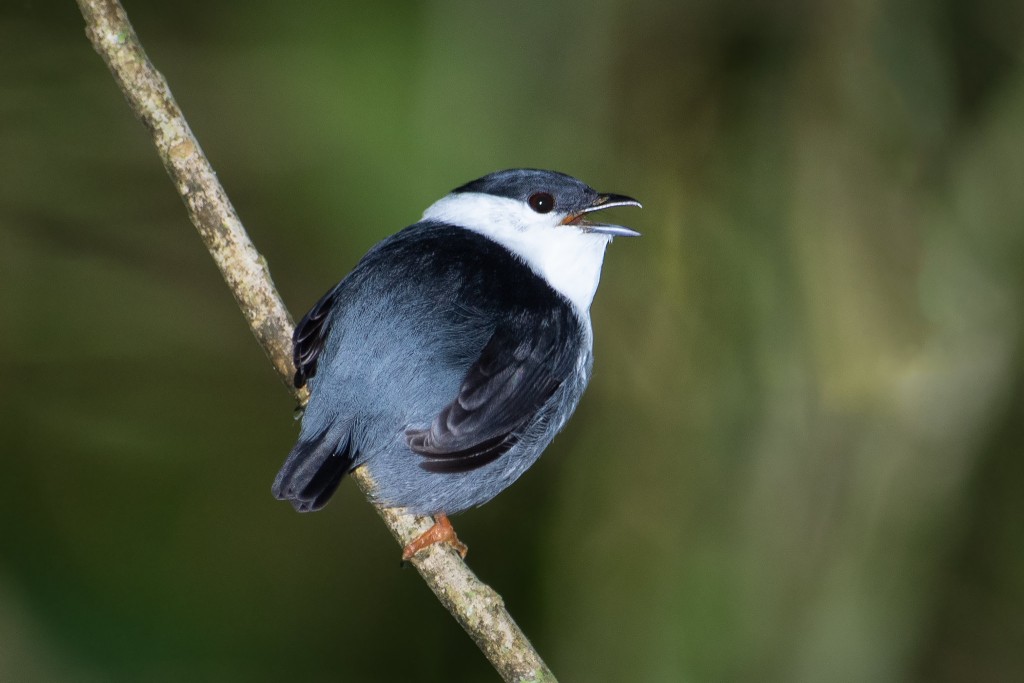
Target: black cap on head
(570, 194)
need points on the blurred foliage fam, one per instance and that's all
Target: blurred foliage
(800, 456)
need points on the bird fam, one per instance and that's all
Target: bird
(452, 354)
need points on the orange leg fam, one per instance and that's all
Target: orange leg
(441, 532)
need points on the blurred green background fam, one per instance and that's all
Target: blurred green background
(800, 458)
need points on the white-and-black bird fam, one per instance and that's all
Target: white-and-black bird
(449, 358)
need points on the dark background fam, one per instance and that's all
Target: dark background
(800, 456)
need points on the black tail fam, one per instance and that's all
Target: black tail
(313, 471)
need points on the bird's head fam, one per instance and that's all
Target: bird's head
(528, 199)
(545, 218)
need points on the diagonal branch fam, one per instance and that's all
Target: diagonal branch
(477, 607)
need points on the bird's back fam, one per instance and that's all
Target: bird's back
(389, 347)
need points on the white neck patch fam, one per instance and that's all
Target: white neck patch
(565, 256)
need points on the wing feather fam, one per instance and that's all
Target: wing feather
(309, 336)
(522, 365)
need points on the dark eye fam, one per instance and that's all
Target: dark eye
(541, 202)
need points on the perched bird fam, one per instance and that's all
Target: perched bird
(452, 354)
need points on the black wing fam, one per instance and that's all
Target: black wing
(518, 370)
(308, 338)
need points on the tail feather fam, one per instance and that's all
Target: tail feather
(312, 471)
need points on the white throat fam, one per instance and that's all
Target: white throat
(565, 256)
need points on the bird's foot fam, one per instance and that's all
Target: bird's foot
(441, 532)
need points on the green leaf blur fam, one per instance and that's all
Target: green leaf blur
(799, 458)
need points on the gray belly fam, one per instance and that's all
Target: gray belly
(402, 482)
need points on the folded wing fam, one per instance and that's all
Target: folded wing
(523, 364)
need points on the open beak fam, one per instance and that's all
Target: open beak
(604, 201)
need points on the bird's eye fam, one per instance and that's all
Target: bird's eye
(541, 202)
